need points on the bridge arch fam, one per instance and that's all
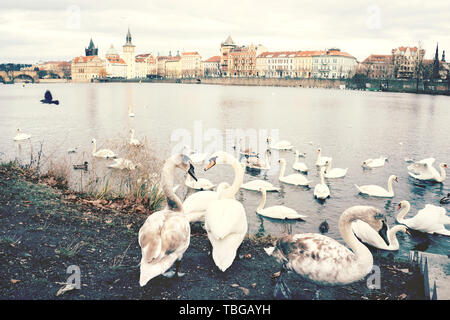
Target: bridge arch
(24, 77)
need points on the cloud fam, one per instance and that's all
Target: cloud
(49, 30)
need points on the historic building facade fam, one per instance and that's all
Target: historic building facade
(191, 65)
(378, 66)
(333, 64)
(115, 66)
(129, 56)
(407, 61)
(211, 67)
(88, 67)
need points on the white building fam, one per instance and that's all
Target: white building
(115, 66)
(278, 64)
(129, 57)
(333, 64)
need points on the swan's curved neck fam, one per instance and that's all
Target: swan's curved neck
(173, 202)
(361, 252)
(443, 174)
(229, 193)
(297, 156)
(329, 165)
(322, 180)
(282, 169)
(390, 188)
(318, 156)
(95, 146)
(403, 212)
(263, 200)
(392, 236)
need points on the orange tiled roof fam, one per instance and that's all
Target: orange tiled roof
(190, 53)
(213, 59)
(83, 59)
(115, 60)
(276, 54)
(378, 58)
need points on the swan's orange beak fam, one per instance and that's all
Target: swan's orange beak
(445, 166)
(399, 206)
(408, 232)
(212, 163)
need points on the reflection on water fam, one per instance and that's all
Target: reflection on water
(349, 126)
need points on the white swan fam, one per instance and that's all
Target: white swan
(298, 165)
(21, 136)
(122, 164)
(199, 184)
(331, 173)
(424, 170)
(276, 212)
(165, 235)
(255, 185)
(368, 235)
(295, 178)
(196, 204)
(324, 260)
(133, 141)
(321, 190)
(103, 153)
(130, 113)
(225, 219)
(321, 161)
(377, 191)
(254, 162)
(280, 145)
(431, 219)
(375, 163)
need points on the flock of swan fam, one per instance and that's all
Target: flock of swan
(164, 237)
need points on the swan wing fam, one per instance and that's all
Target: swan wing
(255, 185)
(297, 179)
(196, 204)
(224, 217)
(321, 191)
(368, 235)
(280, 212)
(374, 190)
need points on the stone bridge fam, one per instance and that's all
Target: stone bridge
(11, 76)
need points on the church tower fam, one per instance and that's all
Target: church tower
(91, 50)
(128, 56)
(436, 64)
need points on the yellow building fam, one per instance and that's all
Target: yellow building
(191, 65)
(173, 67)
(303, 64)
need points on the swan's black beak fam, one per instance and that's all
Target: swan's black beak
(383, 233)
(191, 171)
(408, 232)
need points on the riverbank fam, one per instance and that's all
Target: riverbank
(44, 230)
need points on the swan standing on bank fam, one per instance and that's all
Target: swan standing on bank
(21, 136)
(321, 190)
(133, 141)
(321, 161)
(225, 219)
(324, 260)
(424, 170)
(331, 173)
(375, 163)
(295, 178)
(377, 191)
(276, 212)
(368, 235)
(196, 204)
(102, 153)
(255, 185)
(280, 145)
(431, 219)
(165, 235)
(298, 165)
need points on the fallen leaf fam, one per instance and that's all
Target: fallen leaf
(248, 256)
(276, 274)
(246, 291)
(254, 285)
(14, 281)
(235, 285)
(67, 287)
(403, 296)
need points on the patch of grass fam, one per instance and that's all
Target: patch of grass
(117, 262)
(10, 240)
(72, 249)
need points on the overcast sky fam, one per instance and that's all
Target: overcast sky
(32, 31)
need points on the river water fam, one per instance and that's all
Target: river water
(349, 126)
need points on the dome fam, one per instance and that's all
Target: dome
(111, 51)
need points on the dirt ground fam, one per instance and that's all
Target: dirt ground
(43, 230)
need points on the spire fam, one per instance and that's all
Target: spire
(91, 50)
(443, 56)
(436, 64)
(128, 36)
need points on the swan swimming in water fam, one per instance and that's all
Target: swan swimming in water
(375, 163)
(324, 260)
(122, 164)
(280, 145)
(321, 161)
(133, 141)
(255, 185)
(377, 191)
(276, 212)
(424, 170)
(225, 219)
(366, 234)
(321, 190)
(295, 178)
(165, 235)
(431, 219)
(199, 184)
(21, 136)
(331, 173)
(102, 153)
(298, 165)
